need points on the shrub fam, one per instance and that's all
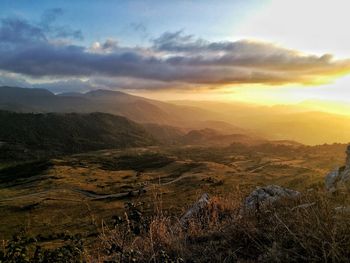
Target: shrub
(307, 229)
(23, 248)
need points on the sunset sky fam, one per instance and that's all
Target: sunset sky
(269, 52)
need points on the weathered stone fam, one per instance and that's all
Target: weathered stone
(332, 179)
(263, 196)
(196, 210)
(340, 177)
(347, 161)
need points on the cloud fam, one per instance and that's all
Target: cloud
(140, 28)
(13, 80)
(173, 59)
(94, 83)
(178, 42)
(109, 45)
(48, 25)
(69, 85)
(50, 16)
(20, 31)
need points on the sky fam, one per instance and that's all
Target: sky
(261, 51)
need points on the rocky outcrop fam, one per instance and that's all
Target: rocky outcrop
(347, 161)
(332, 179)
(266, 195)
(340, 177)
(196, 210)
(258, 199)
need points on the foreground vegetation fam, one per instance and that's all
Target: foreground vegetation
(310, 228)
(124, 205)
(304, 230)
(26, 136)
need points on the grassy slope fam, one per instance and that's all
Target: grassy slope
(69, 133)
(179, 174)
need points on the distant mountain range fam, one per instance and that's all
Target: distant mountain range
(168, 135)
(282, 122)
(169, 121)
(135, 108)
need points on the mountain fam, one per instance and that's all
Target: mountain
(38, 100)
(165, 134)
(337, 107)
(208, 137)
(69, 133)
(169, 135)
(135, 108)
(281, 122)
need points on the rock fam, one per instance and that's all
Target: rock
(340, 177)
(342, 209)
(263, 196)
(196, 210)
(332, 179)
(347, 161)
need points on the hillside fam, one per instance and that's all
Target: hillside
(68, 133)
(76, 193)
(208, 137)
(281, 122)
(135, 108)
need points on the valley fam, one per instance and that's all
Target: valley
(76, 193)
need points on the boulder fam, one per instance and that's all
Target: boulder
(196, 210)
(347, 161)
(332, 179)
(339, 178)
(266, 195)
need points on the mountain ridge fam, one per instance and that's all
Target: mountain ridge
(65, 133)
(136, 108)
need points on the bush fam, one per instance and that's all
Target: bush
(307, 229)
(311, 228)
(25, 249)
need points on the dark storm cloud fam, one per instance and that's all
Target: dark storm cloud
(45, 59)
(174, 58)
(48, 60)
(93, 83)
(186, 49)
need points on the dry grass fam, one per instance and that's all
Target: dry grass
(41, 200)
(304, 230)
(220, 234)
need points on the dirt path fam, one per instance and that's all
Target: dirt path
(89, 194)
